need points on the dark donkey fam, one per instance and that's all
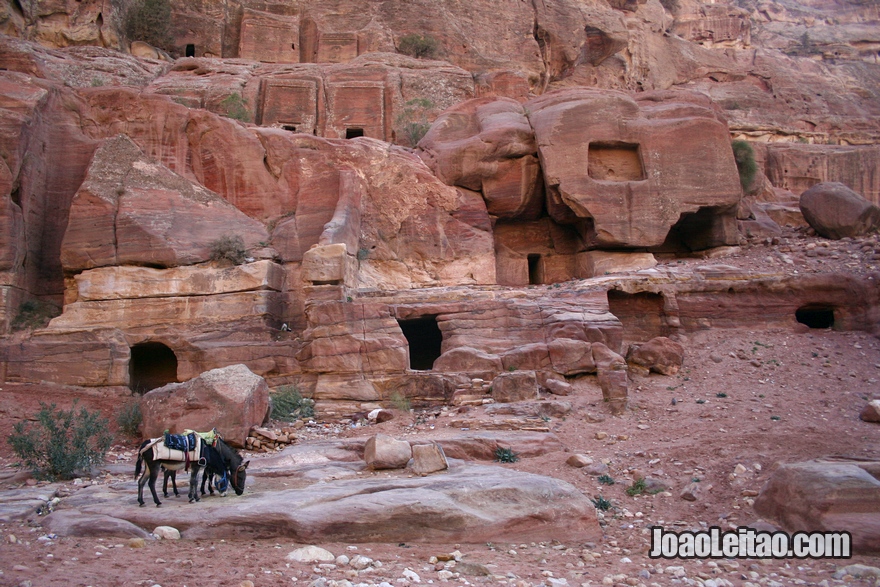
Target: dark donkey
(221, 458)
(223, 467)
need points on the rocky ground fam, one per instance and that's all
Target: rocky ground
(744, 401)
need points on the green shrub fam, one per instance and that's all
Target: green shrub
(61, 442)
(419, 46)
(601, 504)
(605, 480)
(289, 404)
(130, 417)
(412, 123)
(637, 488)
(34, 314)
(745, 163)
(505, 455)
(236, 107)
(149, 21)
(229, 248)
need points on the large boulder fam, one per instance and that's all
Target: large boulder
(636, 168)
(487, 145)
(835, 211)
(231, 399)
(132, 210)
(818, 496)
(468, 359)
(660, 355)
(515, 386)
(384, 452)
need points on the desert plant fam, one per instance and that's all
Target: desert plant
(605, 480)
(289, 404)
(505, 455)
(412, 122)
(601, 504)
(419, 46)
(34, 314)
(400, 401)
(149, 21)
(236, 107)
(62, 442)
(130, 417)
(745, 163)
(230, 248)
(637, 488)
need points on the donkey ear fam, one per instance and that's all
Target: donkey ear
(246, 463)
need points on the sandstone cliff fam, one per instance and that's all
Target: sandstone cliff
(562, 142)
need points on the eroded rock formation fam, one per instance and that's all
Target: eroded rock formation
(369, 270)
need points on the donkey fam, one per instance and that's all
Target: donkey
(225, 466)
(222, 457)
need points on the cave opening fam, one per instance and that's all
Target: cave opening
(152, 365)
(353, 133)
(815, 316)
(535, 273)
(425, 340)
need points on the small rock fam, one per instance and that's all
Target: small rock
(166, 533)
(311, 554)
(472, 569)
(692, 492)
(579, 461)
(411, 575)
(360, 562)
(871, 411)
(858, 571)
(596, 469)
(601, 435)
(136, 543)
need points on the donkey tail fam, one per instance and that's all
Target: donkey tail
(137, 466)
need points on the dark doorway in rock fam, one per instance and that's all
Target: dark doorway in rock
(289, 127)
(706, 228)
(815, 316)
(152, 365)
(535, 277)
(425, 339)
(353, 133)
(190, 50)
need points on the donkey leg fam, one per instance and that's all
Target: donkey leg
(194, 483)
(141, 482)
(154, 474)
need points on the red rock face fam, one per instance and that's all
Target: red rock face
(634, 169)
(662, 159)
(132, 211)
